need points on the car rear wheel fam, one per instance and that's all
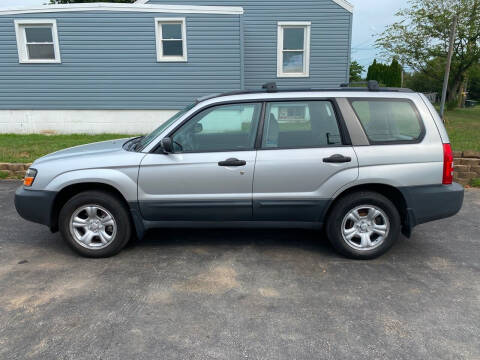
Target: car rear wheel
(95, 224)
(363, 225)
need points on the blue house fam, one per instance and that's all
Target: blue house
(103, 67)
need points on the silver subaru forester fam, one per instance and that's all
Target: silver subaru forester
(365, 163)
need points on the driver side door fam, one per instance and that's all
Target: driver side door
(209, 175)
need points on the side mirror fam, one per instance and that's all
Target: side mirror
(167, 145)
(198, 128)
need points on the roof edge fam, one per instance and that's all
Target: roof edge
(343, 3)
(139, 7)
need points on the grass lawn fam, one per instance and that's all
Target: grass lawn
(26, 148)
(463, 126)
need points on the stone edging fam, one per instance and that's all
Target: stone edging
(14, 170)
(466, 166)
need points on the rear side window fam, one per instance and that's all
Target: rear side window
(388, 120)
(300, 124)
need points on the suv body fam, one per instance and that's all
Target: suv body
(367, 163)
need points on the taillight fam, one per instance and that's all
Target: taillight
(447, 164)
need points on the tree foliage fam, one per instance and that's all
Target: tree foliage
(473, 87)
(356, 71)
(388, 75)
(88, 1)
(395, 74)
(422, 36)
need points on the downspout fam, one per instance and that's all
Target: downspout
(242, 55)
(349, 56)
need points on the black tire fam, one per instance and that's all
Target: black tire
(109, 202)
(349, 202)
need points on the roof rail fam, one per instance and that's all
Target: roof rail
(271, 87)
(372, 85)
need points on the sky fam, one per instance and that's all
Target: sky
(369, 18)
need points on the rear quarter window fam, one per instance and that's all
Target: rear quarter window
(389, 120)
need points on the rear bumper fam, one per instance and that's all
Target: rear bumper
(35, 205)
(432, 202)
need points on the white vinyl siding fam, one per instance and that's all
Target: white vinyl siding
(171, 39)
(37, 41)
(293, 49)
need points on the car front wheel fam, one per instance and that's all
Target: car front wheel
(363, 225)
(95, 224)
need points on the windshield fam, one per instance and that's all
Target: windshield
(150, 137)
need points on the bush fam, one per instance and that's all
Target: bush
(475, 182)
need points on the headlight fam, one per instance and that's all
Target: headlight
(29, 177)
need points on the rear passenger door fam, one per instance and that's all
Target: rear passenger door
(303, 159)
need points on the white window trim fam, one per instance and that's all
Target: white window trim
(20, 25)
(158, 40)
(306, 43)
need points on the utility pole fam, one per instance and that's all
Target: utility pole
(447, 69)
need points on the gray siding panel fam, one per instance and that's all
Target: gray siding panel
(109, 58)
(109, 62)
(330, 38)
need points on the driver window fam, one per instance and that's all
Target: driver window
(220, 128)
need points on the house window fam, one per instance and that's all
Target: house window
(171, 39)
(293, 50)
(37, 41)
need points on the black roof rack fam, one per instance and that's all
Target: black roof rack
(271, 87)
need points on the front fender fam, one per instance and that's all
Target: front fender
(122, 179)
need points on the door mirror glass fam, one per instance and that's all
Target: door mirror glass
(167, 145)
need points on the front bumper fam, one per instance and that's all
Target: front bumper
(432, 202)
(35, 205)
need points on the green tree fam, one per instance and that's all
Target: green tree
(88, 1)
(356, 71)
(395, 74)
(387, 75)
(373, 73)
(473, 86)
(422, 36)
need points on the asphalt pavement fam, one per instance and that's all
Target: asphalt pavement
(240, 294)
